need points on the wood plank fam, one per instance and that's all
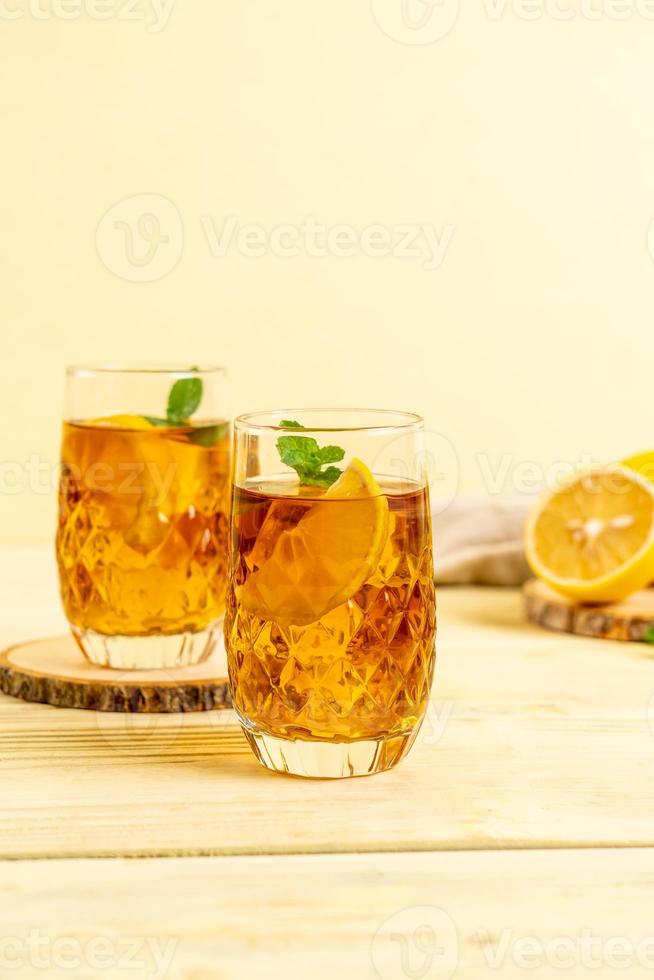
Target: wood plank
(533, 740)
(572, 913)
(180, 788)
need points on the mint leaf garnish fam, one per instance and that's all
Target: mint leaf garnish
(183, 399)
(331, 454)
(208, 435)
(307, 458)
(326, 477)
(649, 635)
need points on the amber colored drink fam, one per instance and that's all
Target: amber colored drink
(312, 661)
(143, 526)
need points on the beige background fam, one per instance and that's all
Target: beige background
(529, 142)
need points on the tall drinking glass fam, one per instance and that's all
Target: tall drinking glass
(330, 617)
(143, 513)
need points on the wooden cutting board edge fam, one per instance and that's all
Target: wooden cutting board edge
(53, 671)
(628, 620)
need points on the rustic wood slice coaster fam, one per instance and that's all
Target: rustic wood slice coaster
(626, 620)
(53, 671)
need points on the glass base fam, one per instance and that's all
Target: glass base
(329, 760)
(146, 652)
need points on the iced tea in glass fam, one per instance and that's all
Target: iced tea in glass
(143, 514)
(330, 616)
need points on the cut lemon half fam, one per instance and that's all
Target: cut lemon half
(326, 556)
(643, 463)
(593, 540)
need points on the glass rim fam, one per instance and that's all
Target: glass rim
(170, 370)
(405, 421)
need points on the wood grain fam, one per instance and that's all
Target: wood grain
(627, 620)
(54, 671)
(532, 740)
(349, 916)
(535, 742)
(192, 789)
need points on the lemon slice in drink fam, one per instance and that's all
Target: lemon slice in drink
(327, 556)
(136, 422)
(593, 540)
(147, 477)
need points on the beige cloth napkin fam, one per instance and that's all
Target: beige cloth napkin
(479, 540)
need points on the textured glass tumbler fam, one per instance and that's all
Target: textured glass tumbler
(330, 617)
(143, 513)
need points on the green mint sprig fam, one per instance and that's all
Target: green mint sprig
(307, 458)
(183, 400)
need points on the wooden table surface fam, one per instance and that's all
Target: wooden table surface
(517, 839)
